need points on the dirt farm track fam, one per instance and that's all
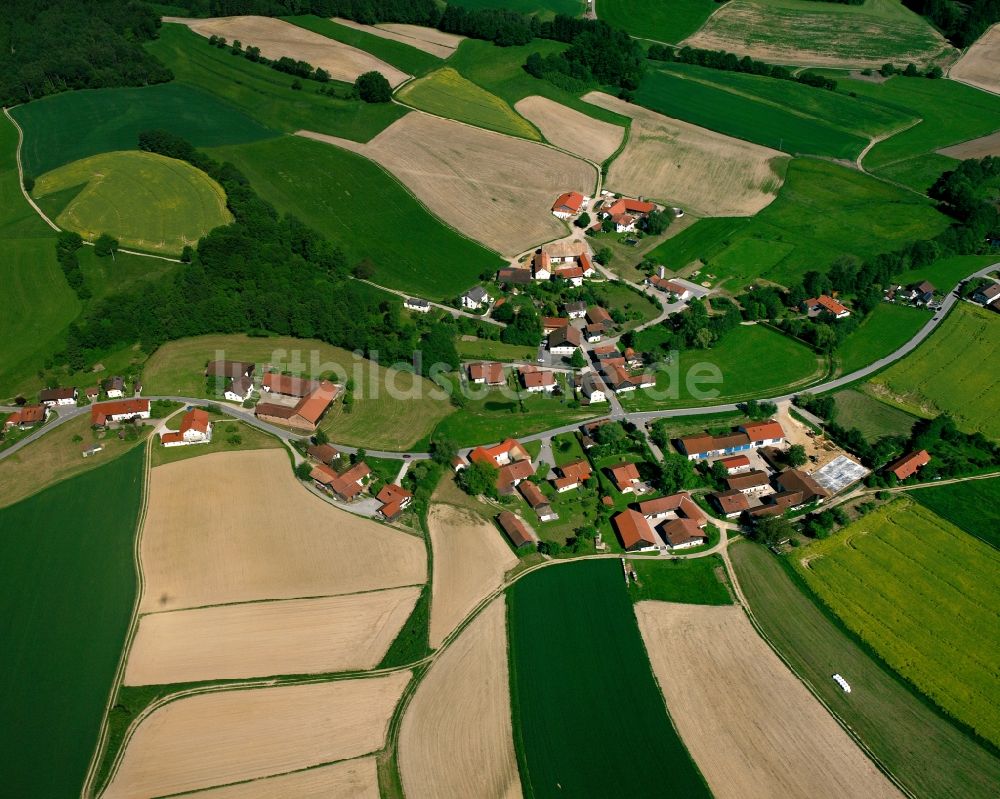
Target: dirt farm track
(753, 729)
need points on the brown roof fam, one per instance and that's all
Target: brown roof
(554, 322)
(231, 369)
(681, 531)
(514, 449)
(491, 372)
(274, 410)
(286, 384)
(624, 204)
(735, 461)
(633, 529)
(680, 503)
(827, 304)
(313, 406)
(747, 480)
(580, 469)
(348, 484)
(597, 315)
(909, 464)
(760, 431)
(54, 394)
(624, 474)
(795, 480)
(102, 410)
(732, 501)
(570, 201)
(516, 530)
(324, 453)
(532, 493)
(27, 414)
(514, 276)
(518, 470)
(392, 497)
(565, 335)
(538, 378)
(694, 445)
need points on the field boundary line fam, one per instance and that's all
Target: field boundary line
(88, 784)
(876, 761)
(20, 173)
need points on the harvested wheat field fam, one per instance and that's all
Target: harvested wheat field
(456, 739)
(470, 560)
(258, 639)
(974, 148)
(277, 38)
(495, 189)
(980, 66)
(237, 526)
(352, 779)
(571, 130)
(429, 40)
(753, 729)
(681, 164)
(218, 738)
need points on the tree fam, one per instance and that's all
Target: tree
(187, 254)
(297, 85)
(604, 256)
(657, 222)
(676, 473)
(582, 221)
(911, 71)
(358, 456)
(771, 530)
(105, 245)
(443, 451)
(608, 225)
(321, 438)
(577, 361)
(478, 478)
(796, 455)
(372, 87)
(321, 75)
(303, 470)
(887, 70)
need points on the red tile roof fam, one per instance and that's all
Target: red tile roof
(516, 530)
(579, 469)
(624, 475)
(27, 414)
(827, 304)
(627, 204)
(513, 472)
(571, 201)
(908, 465)
(393, 497)
(735, 462)
(313, 406)
(102, 410)
(680, 504)
(634, 530)
(195, 419)
(761, 431)
(491, 372)
(286, 384)
(539, 379)
(532, 494)
(732, 501)
(489, 455)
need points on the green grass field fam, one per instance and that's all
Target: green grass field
(66, 602)
(948, 272)
(106, 120)
(653, 19)
(446, 93)
(265, 94)
(883, 331)
(145, 200)
(378, 420)
(585, 704)
(737, 357)
(697, 581)
(228, 435)
(38, 303)
(972, 505)
(713, 106)
(924, 595)
(397, 54)
(830, 34)
(493, 350)
(823, 211)
(543, 8)
(883, 712)
(946, 374)
(365, 212)
(908, 157)
(873, 418)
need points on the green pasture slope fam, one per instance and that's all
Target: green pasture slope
(65, 607)
(923, 595)
(824, 211)
(873, 418)
(38, 304)
(367, 213)
(882, 332)
(265, 94)
(66, 127)
(693, 581)
(589, 720)
(950, 112)
(658, 20)
(402, 56)
(972, 506)
(923, 749)
(946, 373)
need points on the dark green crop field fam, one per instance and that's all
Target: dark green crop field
(658, 20)
(589, 720)
(696, 581)
(65, 605)
(354, 203)
(745, 117)
(67, 127)
(973, 506)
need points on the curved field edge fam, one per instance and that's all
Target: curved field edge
(814, 643)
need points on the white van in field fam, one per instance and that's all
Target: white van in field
(842, 683)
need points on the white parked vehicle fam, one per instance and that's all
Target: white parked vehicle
(846, 686)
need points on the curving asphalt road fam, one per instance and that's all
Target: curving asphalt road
(639, 418)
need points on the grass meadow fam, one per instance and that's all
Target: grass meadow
(397, 54)
(873, 418)
(446, 93)
(656, 20)
(738, 357)
(923, 595)
(882, 332)
(585, 704)
(713, 106)
(472, 347)
(107, 120)
(823, 211)
(265, 94)
(972, 506)
(145, 200)
(948, 272)
(377, 421)
(698, 581)
(66, 606)
(949, 373)
(228, 435)
(887, 715)
(364, 211)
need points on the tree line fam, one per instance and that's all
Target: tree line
(961, 23)
(262, 274)
(730, 62)
(51, 46)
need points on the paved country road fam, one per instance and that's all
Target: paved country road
(638, 418)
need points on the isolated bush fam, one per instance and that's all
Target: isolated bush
(372, 87)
